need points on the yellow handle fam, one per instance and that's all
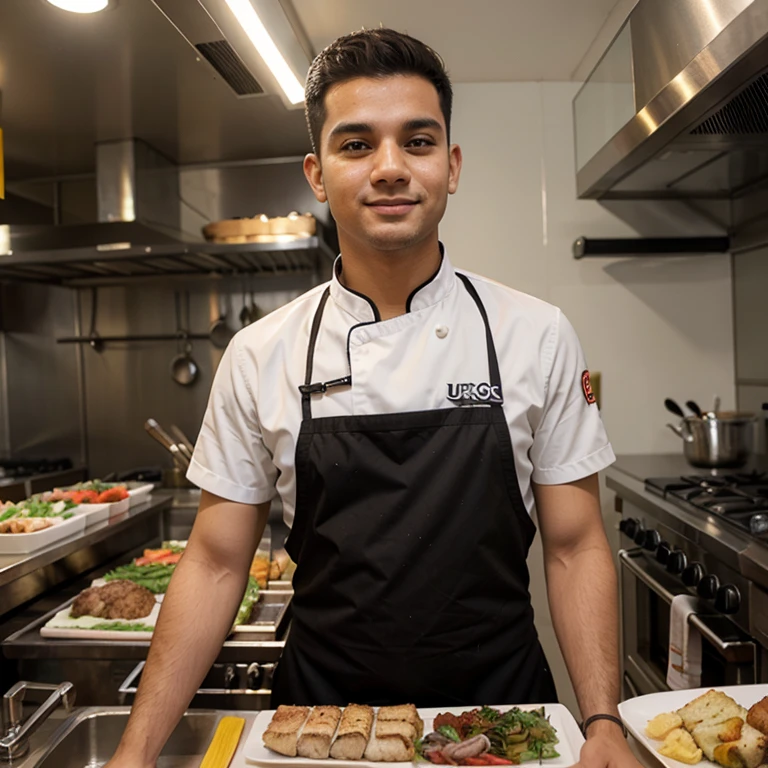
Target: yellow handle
(224, 743)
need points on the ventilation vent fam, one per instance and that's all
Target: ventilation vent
(222, 57)
(744, 115)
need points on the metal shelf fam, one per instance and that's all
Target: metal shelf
(109, 265)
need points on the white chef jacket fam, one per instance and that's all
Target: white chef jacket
(246, 448)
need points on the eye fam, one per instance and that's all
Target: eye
(421, 142)
(355, 146)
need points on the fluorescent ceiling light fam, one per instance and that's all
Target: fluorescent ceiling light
(80, 6)
(249, 20)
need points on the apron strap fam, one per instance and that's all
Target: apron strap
(307, 388)
(493, 361)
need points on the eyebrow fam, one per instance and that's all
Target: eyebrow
(417, 124)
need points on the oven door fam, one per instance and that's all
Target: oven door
(728, 655)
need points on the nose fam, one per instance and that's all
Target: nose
(390, 165)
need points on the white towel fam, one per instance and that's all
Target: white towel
(684, 669)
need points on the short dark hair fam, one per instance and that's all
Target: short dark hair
(372, 53)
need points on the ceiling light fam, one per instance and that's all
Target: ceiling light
(80, 6)
(249, 20)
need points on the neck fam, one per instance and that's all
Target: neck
(388, 278)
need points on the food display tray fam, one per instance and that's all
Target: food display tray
(638, 711)
(268, 617)
(23, 543)
(563, 721)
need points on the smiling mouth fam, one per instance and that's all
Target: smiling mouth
(393, 207)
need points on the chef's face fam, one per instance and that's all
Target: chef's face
(384, 163)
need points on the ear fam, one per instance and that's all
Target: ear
(454, 167)
(314, 173)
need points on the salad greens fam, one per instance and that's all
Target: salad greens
(36, 508)
(92, 485)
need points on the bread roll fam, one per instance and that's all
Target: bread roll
(318, 732)
(282, 733)
(354, 732)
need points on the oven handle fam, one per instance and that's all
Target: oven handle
(727, 648)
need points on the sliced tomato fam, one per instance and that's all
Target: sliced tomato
(111, 495)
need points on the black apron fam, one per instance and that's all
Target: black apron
(410, 538)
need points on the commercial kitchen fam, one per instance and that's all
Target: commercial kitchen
(153, 203)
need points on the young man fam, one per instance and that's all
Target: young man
(410, 417)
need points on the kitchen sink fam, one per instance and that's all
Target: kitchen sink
(89, 738)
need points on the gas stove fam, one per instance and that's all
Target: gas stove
(740, 499)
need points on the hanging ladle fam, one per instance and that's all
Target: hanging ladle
(184, 369)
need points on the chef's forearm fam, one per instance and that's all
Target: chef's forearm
(584, 605)
(197, 614)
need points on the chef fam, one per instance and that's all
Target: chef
(411, 417)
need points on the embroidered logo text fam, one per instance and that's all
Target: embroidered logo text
(467, 394)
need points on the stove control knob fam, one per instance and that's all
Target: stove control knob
(727, 599)
(708, 586)
(651, 540)
(693, 574)
(676, 562)
(639, 537)
(662, 552)
(628, 526)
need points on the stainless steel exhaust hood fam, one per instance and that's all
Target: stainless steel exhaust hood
(677, 108)
(138, 203)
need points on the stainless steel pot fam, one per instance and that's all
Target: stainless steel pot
(720, 441)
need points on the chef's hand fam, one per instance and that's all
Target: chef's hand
(606, 747)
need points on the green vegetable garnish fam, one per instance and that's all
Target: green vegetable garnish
(116, 626)
(449, 732)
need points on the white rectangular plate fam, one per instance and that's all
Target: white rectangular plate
(140, 494)
(637, 712)
(93, 513)
(22, 543)
(63, 626)
(567, 729)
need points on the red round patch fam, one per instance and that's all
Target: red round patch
(586, 385)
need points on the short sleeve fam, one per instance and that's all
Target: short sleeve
(569, 442)
(230, 458)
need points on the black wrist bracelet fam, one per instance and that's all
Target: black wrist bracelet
(613, 719)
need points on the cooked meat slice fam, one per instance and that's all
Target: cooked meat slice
(317, 735)
(117, 599)
(354, 732)
(758, 716)
(282, 733)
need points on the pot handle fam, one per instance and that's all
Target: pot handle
(677, 430)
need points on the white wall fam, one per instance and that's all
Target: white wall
(654, 328)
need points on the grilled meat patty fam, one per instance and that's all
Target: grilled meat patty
(118, 599)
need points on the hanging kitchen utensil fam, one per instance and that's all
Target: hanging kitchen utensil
(245, 314)
(221, 334)
(255, 311)
(673, 407)
(184, 369)
(692, 405)
(95, 342)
